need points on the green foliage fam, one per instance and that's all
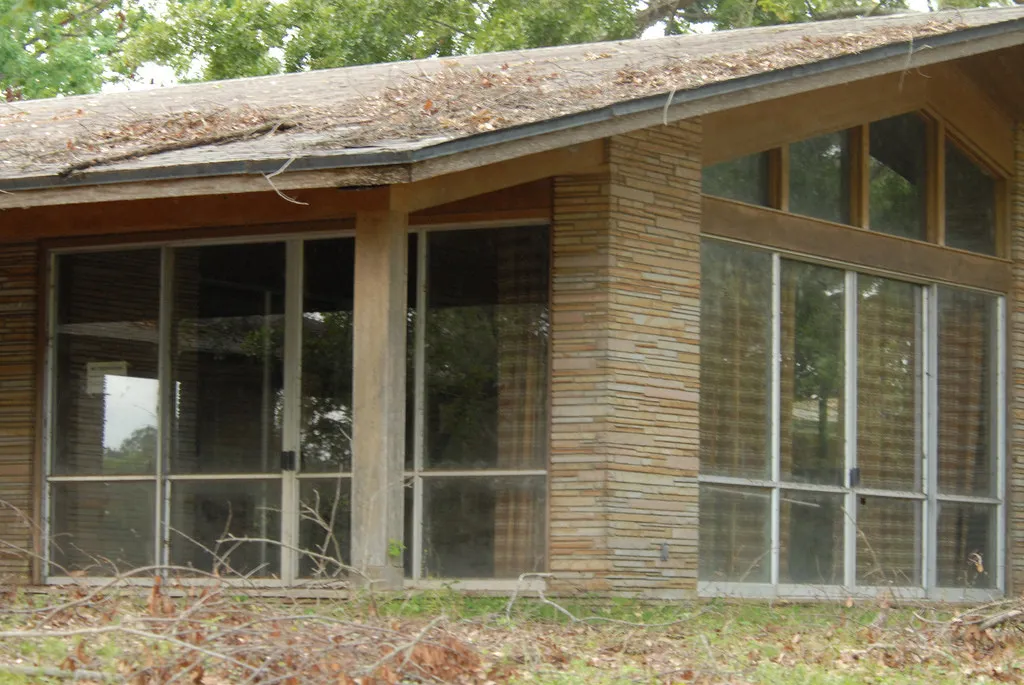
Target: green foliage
(53, 47)
(64, 47)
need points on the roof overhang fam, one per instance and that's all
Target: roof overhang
(364, 167)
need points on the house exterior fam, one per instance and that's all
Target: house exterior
(733, 314)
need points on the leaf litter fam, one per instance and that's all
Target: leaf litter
(454, 101)
(179, 633)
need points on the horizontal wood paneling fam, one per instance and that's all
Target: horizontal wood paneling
(18, 344)
(852, 245)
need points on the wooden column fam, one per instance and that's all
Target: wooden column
(379, 396)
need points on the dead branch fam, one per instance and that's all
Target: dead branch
(214, 139)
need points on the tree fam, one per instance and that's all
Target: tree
(63, 47)
(212, 39)
(52, 47)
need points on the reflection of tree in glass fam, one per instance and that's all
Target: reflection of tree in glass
(819, 178)
(327, 389)
(813, 302)
(134, 454)
(898, 176)
(744, 179)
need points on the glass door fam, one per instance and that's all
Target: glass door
(223, 490)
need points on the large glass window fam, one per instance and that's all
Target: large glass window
(478, 466)
(908, 191)
(106, 411)
(745, 179)
(819, 177)
(736, 353)
(813, 368)
(203, 407)
(970, 204)
(820, 475)
(899, 176)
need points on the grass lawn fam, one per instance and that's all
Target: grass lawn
(166, 634)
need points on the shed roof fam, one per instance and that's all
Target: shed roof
(386, 114)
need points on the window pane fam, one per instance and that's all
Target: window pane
(106, 363)
(889, 382)
(483, 527)
(735, 360)
(227, 339)
(325, 523)
(206, 514)
(744, 179)
(819, 177)
(101, 528)
(811, 393)
(735, 528)
(898, 173)
(967, 545)
(327, 355)
(970, 204)
(487, 349)
(811, 538)
(888, 542)
(966, 380)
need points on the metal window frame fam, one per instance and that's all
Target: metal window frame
(294, 244)
(419, 473)
(928, 496)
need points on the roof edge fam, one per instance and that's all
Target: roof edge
(671, 106)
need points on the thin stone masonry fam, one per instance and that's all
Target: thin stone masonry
(626, 368)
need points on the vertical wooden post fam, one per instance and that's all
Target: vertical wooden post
(378, 440)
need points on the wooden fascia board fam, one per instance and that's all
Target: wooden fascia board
(853, 246)
(572, 134)
(360, 177)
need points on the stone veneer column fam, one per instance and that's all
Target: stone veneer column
(626, 368)
(1015, 418)
(18, 344)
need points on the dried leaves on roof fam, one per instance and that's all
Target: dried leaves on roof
(454, 101)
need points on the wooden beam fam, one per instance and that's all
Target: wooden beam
(778, 178)
(854, 246)
(765, 125)
(378, 396)
(860, 175)
(439, 190)
(176, 213)
(935, 194)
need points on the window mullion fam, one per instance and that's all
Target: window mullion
(291, 429)
(931, 435)
(165, 402)
(776, 400)
(49, 415)
(850, 432)
(419, 408)
(999, 414)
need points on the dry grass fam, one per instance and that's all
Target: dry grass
(222, 634)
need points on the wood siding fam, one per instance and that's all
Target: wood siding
(626, 368)
(18, 342)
